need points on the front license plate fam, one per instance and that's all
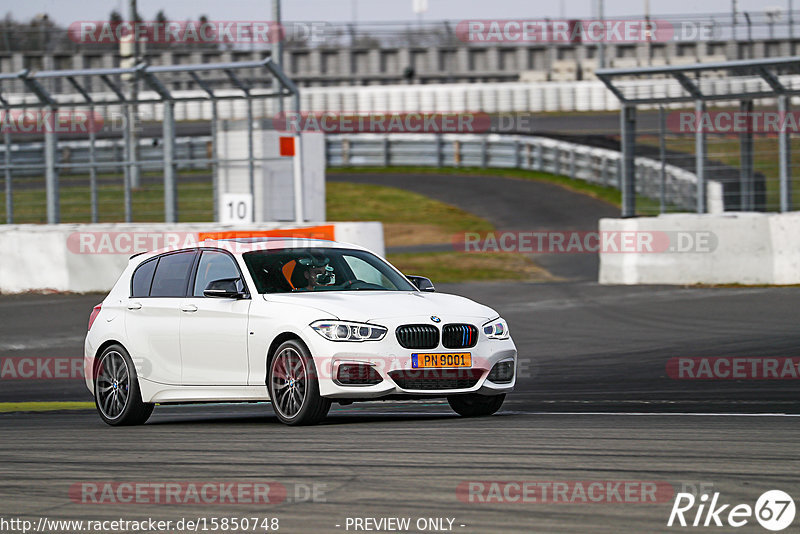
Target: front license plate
(436, 361)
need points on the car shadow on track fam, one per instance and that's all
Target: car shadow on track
(331, 421)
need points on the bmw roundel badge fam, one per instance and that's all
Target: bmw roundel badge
(435, 319)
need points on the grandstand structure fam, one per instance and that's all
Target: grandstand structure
(408, 53)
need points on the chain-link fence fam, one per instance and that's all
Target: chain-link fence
(64, 159)
(731, 123)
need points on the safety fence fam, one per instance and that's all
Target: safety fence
(600, 166)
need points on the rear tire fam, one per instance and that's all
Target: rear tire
(293, 386)
(474, 405)
(116, 389)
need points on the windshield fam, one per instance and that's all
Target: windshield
(322, 269)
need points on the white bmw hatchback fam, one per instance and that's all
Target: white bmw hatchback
(299, 323)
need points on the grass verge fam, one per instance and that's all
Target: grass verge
(9, 407)
(448, 267)
(412, 219)
(195, 203)
(408, 218)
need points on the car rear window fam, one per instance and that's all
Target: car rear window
(143, 279)
(172, 275)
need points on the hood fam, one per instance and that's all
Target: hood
(365, 306)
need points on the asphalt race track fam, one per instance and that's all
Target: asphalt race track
(594, 403)
(510, 204)
(585, 349)
(406, 464)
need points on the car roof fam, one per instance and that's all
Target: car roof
(243, 245)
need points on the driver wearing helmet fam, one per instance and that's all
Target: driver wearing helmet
(317, 272)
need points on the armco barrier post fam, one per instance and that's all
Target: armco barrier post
(8, 185)
(784, 155)
(126, 168)
(700, 157)
(51, 173)
(662, 151)
(747, 164)
(92, 165)
(627, 162)
(572, 162)
(251, 169)
(170, 186)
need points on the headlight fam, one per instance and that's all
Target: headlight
(348, 331)
(496, 329)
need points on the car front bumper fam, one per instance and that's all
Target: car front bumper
(389, 359)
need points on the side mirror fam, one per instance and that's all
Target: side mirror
(422, 283)
(227, 288)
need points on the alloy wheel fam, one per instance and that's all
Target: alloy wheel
(113, 385)
(289, 382)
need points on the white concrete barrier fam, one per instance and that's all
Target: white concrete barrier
(90, 257)
(728, 248)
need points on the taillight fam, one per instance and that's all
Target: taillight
(93, 316)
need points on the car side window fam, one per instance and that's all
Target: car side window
(172, 275)
(213, 266)
(143, 279)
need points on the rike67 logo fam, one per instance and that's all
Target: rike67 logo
(774, 510)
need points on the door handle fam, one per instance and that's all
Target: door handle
(134, 305)
(188, 308)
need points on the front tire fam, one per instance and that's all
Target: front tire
(474, 405)
(116, 390)
(294, 387)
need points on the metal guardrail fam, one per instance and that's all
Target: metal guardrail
(676, 186)
(656, 180)
(27, 159)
